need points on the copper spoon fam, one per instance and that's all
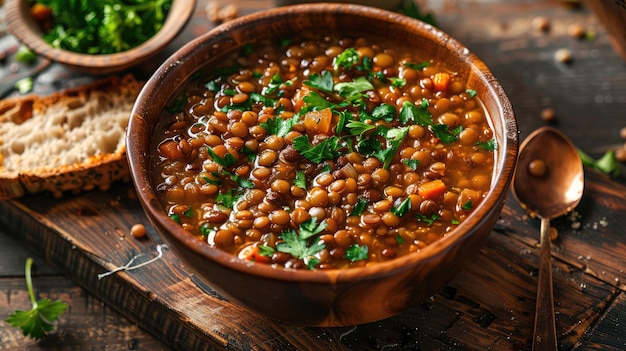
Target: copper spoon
(548, 194)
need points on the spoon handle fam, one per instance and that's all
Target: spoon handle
(544, 337)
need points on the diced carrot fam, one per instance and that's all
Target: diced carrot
(251, 253)
(170, 150)
(432, 189)
(441, 81)
(318, 121)
(298, 99)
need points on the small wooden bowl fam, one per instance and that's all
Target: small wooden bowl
(324, 297)
(22, 25)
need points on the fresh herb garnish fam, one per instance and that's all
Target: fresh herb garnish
(420, 115)
(300, 179)
(417, 66)
(104, 27)
(471, 93)
(226, 161)
(37, 322)
(429, 220)
(357, 253)
(327, 149)
(385, 112)
(444, 134)
(412, 10)
(359, 128)
(279, 126)
(347, 59)
(607, 164)
(487, 145)
(273, 85)
(403, 208)
(323, 82)
(467, 205)
(228, 198)
(359, 85)
(395, 137)
(413, 164)
(304, 244)
(359, 207)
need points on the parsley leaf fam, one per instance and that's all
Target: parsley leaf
(359, 207)
(429, 220)
(298, 244)
(327, 149)
(273, 85)
(229, 198)
(323, 82)
(384, 111)
(358, 85)
(40, 319)
(398, 82)
(417, 66)
(300, 180)
(471, 92)
(403, 208)
(413, 164)
(357, 253)
(279, 126)
(488, 145)
(347, 59)
(359, 128)
(467, 205)
(443, 133)
(607, 164)
(395, 137)
(226, 161)
(315, 102)
(410, 112)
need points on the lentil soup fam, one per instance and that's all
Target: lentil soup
(323, 152)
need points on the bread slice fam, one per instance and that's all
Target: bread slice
(73, 140)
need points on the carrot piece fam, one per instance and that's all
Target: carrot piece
(432, 189)
(251, 253)
(318, 121)
(441, 81)
(170, 150)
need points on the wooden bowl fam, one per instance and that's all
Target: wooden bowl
(324, 297)
(22, 25)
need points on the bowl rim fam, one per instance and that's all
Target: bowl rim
(21, 27)
(503, 168)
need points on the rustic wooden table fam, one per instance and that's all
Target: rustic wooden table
(490, 305)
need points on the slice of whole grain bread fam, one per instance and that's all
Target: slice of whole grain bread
(72, 140)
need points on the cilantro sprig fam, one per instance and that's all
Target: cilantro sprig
(37, 322)
(303, 244)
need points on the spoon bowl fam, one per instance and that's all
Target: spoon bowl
(548, 183)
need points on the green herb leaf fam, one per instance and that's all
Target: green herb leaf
(300, 180)
(398, 82)
(347, 59)
(467, 205)
(359, 207)
(228, 198)
(357, 253)
(413, 164)
(24, 85)
(315, 102)
(279, 126)
(37, 322)
(471, 93)
(359, 85)
(403, 208)
(444, 134)
(327, 149)
(226, 161)
(429, 220)
(273, 85)
(386, 112)
(323, 82)
(607, 164)
(25, 55)
(410, 112)
(299, 245)
(266, 250)
(359, 128)
(417, 66)
(412, 10)
(488, 145)
(395, 137)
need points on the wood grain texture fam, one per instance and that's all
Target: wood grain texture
(489, 305)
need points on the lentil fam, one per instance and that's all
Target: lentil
(251, 158)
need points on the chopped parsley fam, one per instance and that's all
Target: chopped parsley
(279, 126)
(403, 208)
(347, 59)
(357, 253)
(413, 164)
(420, 115)
(323, 82)
(305, 243)
(300, 180)
(444, 134)
(359, 207)
(429, 220)
(226, 161)
(327, 149)
(487, 145)
(467, 205)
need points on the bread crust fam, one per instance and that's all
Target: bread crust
(92, 162)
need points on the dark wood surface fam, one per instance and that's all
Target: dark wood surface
(490, 305)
